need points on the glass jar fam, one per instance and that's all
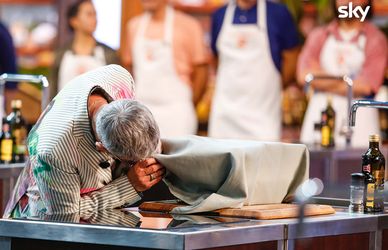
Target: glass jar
(357, 192)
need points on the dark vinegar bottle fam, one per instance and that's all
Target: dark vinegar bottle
(374, 170)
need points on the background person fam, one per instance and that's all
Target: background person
(166, 51)
(344, 47)
(7, 51)
(256, 44)
(83, 52)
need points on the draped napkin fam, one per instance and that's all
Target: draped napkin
(210, 174)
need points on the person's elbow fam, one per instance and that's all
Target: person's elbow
(300, 77)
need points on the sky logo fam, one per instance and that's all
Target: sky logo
(350, 12)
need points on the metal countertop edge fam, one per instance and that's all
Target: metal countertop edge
(91, 234)
(211, 236)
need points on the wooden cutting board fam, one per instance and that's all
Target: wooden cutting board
(260, 212)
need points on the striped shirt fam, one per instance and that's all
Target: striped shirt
(114, 217)
(63, 175)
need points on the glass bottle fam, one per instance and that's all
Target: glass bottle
(18, 130)
(373, 167)
(6, 143)
(328, 125)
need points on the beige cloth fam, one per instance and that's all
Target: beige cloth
(211, 174)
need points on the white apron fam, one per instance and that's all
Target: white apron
(247, 97)
(158, 85)
(339, 58)
(74, 65)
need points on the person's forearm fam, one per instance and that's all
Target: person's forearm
(126, 64)
(113, 195)
(54, 75)
(339, 87)
(319, 84)
(360, 88)
(288, 74)
(329, 85)
(314, 70)
(125, 49)
(289, 65)
(199, 82)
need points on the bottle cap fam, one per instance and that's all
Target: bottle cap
(358, 179)
(16, 104)
(374, 138)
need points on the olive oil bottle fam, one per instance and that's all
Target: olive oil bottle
(6, 143)
(373, 167)
(328, 125)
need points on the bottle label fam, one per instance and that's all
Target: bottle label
(6, 150)
(379, 176)
(325, 136)
(370, 194)
(366, 168)
(379, 192)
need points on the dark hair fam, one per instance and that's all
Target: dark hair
(73, 11)
(368, 16)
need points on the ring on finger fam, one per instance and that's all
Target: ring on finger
(152, 177)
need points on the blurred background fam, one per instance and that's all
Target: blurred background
(39, 27)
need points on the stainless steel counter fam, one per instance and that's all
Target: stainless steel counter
(194, 237)
(204, 231)
(201, 232)
(338, 224)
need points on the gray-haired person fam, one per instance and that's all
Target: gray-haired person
(89, 130)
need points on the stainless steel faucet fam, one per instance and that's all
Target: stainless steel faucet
(38, 79)
(364, 103)
(346, 131)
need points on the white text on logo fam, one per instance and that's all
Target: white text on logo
(349, 12)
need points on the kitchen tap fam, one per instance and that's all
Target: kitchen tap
(364, 103)
(346, 130)
(37, 79)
